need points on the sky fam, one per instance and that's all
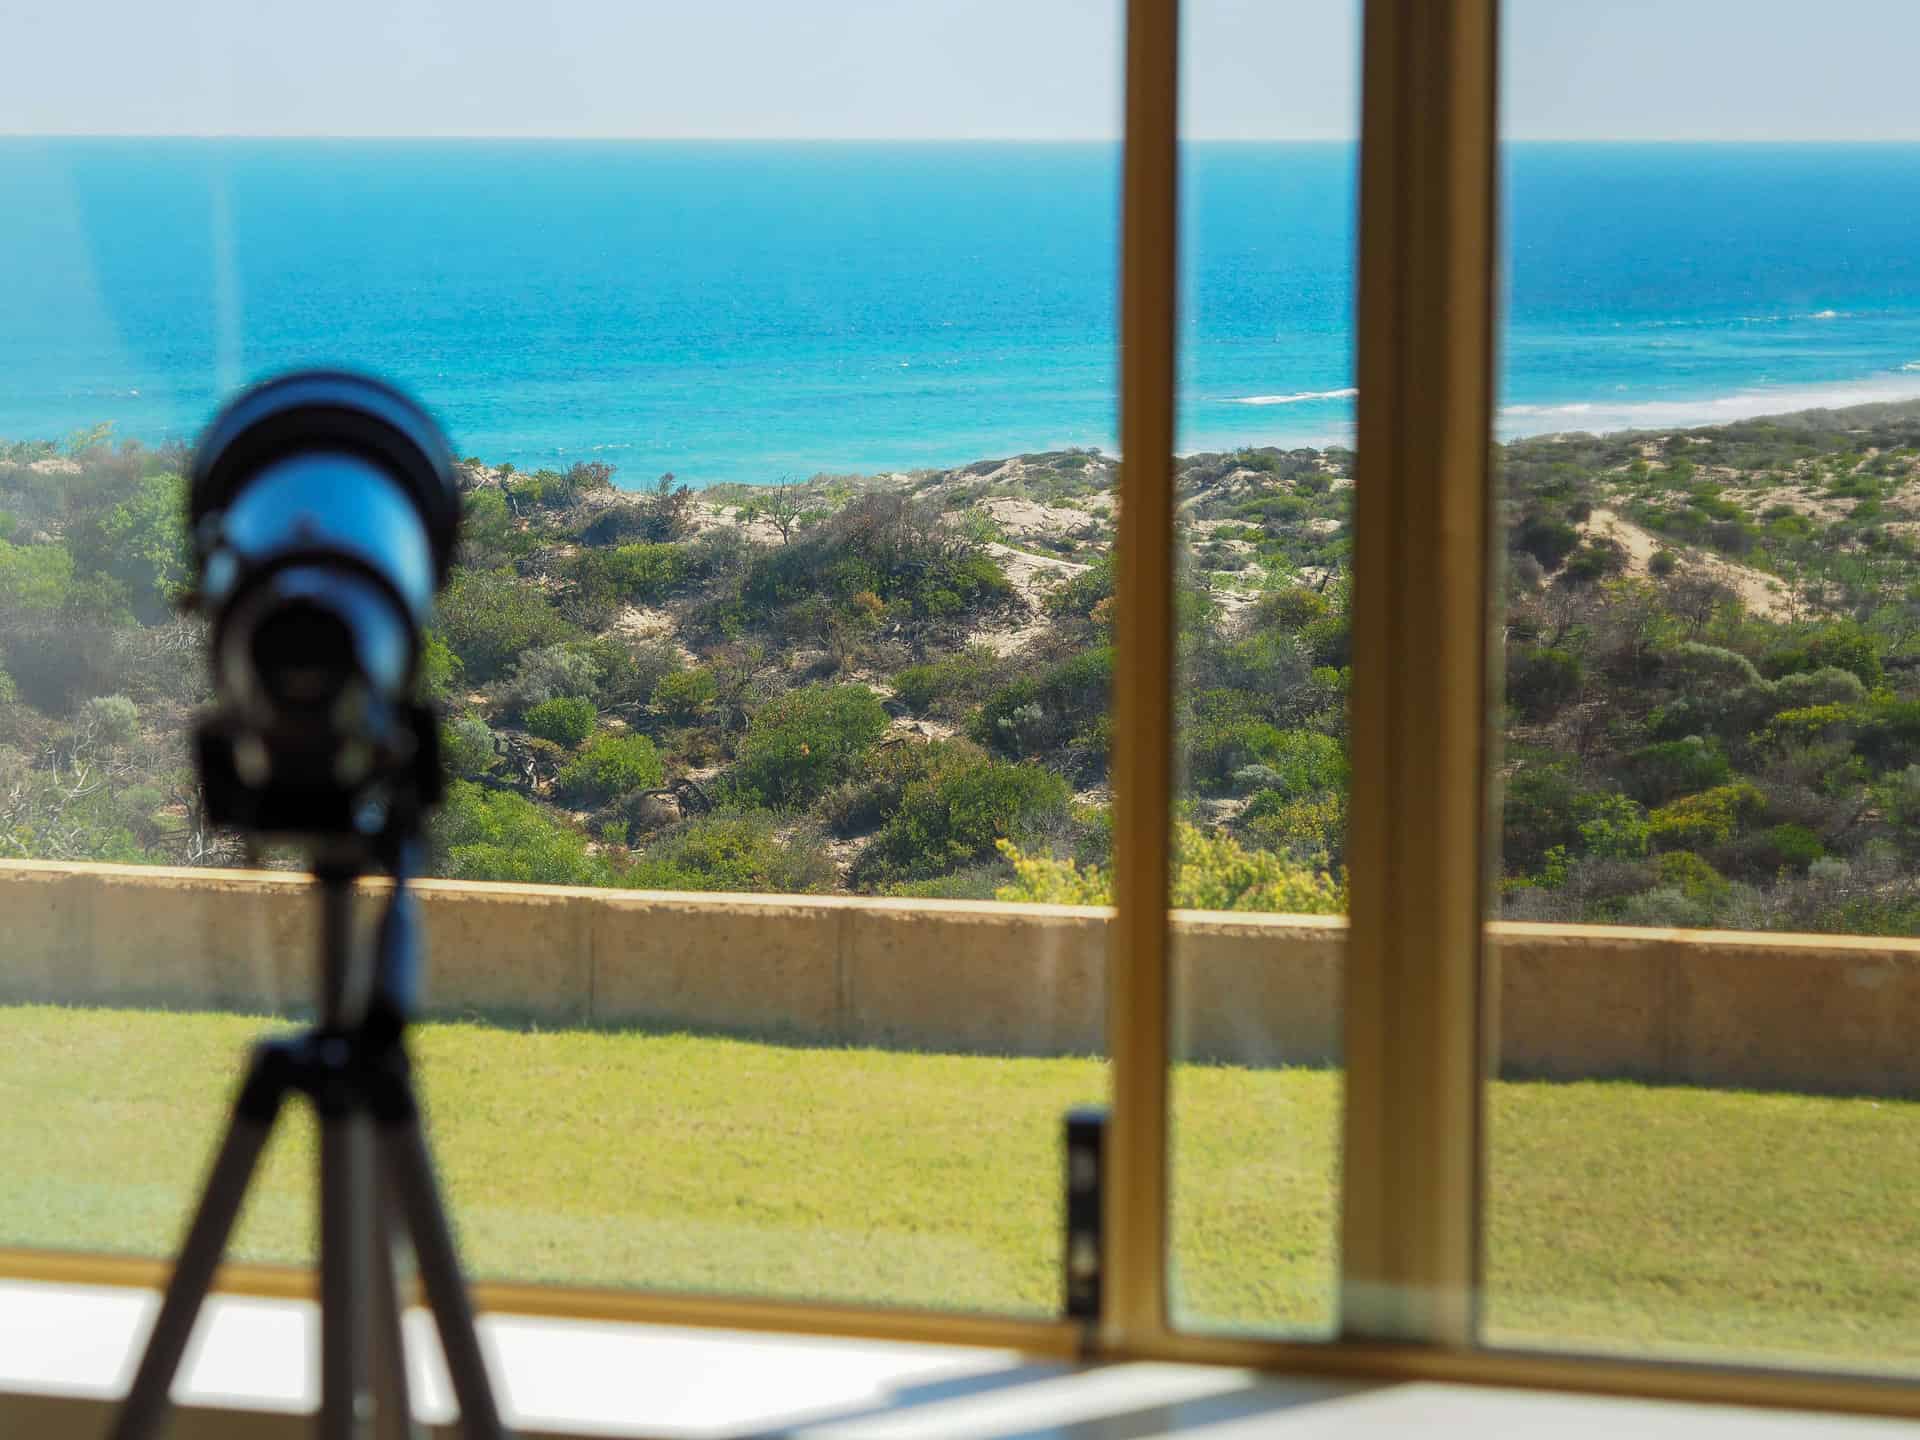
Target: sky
(921, 69)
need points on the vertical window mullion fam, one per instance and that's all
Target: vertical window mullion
(1417, 839)
(1135, 1303)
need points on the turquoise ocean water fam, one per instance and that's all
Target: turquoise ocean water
(746, 311)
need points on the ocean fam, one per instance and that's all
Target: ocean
(746, 311)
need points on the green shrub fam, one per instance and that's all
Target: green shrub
(1836, 644)
(610, 766)
(1808, 724)
(902, 552)
(1889, 733)
(1548, 540)
(732, 850)
(683, 695)
(565, 720)
(550, 672)
(1692, 665)
(1613, 827)
(1662, 563)
(1692, 876)
(1675, 767)
(1293, 608)
(108, 720)
(1211, 872)
(482, 834)
(1309, 828)
(1038, 713)
(1538, 811)
(870, 797)
(466, 746)
(808, 739)
(491, 617)
(1795, 846)
(958, 818)
(440, 670)
(34, 577)
(1709, 818)
(1594, 561)
(1541, 680)
(640, 574)
(944, 683)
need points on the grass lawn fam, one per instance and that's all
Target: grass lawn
(1620, 1215)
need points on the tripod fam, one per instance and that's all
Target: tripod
(376, 1182)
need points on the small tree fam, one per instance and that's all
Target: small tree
(781, 507)
(666, 511)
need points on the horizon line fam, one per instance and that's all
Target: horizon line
(1310, 139)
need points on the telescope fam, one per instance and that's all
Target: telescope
(323, 515)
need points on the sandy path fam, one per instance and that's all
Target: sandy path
(1763, 594)
(1033, 578)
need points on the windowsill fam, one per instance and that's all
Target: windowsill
(66, 1352)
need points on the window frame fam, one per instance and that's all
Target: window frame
(1419, 978)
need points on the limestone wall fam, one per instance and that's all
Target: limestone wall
(1811, 1013)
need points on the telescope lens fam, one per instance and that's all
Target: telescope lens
(324, 514)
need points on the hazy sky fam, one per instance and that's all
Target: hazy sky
(1048, 69)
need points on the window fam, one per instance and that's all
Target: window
(1708, 422)
(1263, 659)
(1397, 1274)
(789, 485)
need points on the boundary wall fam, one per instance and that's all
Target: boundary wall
(1814, 1013)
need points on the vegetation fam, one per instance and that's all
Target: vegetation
(1711, 659)
(942, 1194)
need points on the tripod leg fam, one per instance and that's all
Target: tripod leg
(145, 1408)
(346, 1273)
(405, 1147)
(394, 1417)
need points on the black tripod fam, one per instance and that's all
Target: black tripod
(376, 1185)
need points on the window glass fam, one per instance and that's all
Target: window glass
(1708, 431)
(784, 385)
(1264, 496)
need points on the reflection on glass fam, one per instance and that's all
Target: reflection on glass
(1265, 504)
(1707, 470)
(789, 495)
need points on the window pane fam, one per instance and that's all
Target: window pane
(1709, 424)
(788, 489)
(1264, 494)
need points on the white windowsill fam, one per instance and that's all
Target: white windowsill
(66, 1353)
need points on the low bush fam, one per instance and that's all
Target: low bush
(732, 850)
(492, 617)
(684, 695)
(860, 804)
(805, 741)
(565, 720)
(1211, 872)
(547, 673)
(467, 746)
(944, 685)
(608, 767)
(1709, 818)
(605, 579)
(1540, 680)
(1062, 705)
(1657, 773)
(958, 817)
(480, 834)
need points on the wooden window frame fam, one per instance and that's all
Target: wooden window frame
(1417, 977)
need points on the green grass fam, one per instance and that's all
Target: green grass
(1621, 1215)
